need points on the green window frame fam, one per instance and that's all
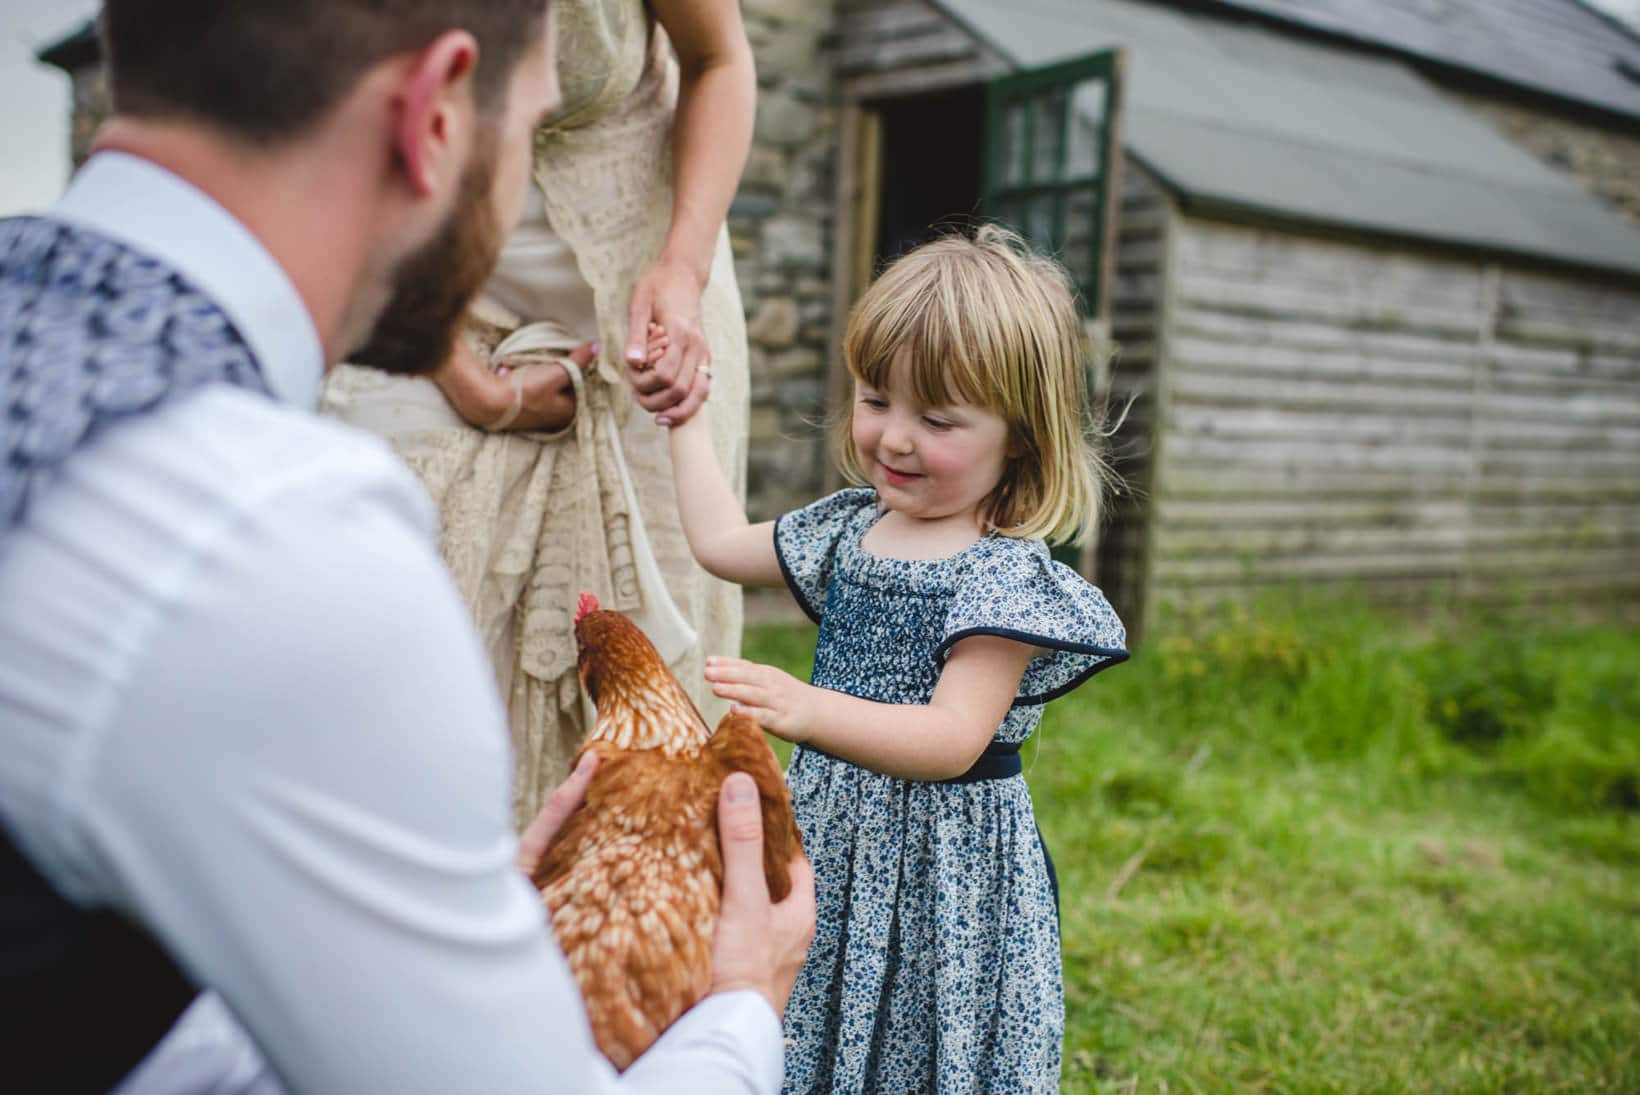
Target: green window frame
(1051, 159)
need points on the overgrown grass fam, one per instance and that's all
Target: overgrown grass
(1307, 847)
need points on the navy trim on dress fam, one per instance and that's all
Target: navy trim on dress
(786, 573)
(999, 761)
(1112, 656)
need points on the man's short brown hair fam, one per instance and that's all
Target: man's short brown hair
(267, 69)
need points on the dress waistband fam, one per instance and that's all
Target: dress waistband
(999, 761)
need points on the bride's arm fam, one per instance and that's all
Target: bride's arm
(712, 133)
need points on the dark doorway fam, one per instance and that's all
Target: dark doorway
(931, 167)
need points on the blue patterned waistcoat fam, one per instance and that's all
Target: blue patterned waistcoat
(91, 332)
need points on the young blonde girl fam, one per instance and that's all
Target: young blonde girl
(944, 628)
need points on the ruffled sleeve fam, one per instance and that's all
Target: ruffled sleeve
(805, 541)
(1015, 589)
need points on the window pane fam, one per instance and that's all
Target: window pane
(1086, 129)
(1039, 222)
(1049, 137)
(1015, 147)
(1081, 234)
(1004, 211)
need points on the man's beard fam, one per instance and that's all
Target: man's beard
(434, 284)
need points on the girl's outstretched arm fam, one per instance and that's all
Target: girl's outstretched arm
(713, 519)
(932, 741)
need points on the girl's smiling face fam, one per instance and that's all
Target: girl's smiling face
(929, 463)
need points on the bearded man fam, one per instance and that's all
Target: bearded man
(248, 740)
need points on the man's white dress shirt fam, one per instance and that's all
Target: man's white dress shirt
(241, 700)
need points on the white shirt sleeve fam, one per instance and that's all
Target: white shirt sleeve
(303, 790)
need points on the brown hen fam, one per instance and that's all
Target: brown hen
(634, 879)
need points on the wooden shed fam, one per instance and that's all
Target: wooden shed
(1368, 337)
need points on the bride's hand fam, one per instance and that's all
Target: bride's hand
(668, 294)
(530, 397)
(659, 343)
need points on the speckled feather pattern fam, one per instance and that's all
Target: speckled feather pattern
(632, 884)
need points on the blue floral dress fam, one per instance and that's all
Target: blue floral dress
(935, 965)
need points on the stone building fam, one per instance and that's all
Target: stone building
(1371, 271)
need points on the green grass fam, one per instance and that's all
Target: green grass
(1306, 847)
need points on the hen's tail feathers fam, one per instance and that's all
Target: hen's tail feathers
(739, 746)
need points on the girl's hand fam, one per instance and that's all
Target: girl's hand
(654, 351)
(668, 294)
(659, 343)
(772, 696)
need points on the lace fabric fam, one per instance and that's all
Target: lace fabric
(529, 521)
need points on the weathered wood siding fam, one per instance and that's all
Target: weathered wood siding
(1141, 248)
(1348, 412)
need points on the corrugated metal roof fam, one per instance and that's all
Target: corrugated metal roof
(1557, 47)
(1244, 117)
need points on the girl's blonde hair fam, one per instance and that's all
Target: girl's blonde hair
(986, 322)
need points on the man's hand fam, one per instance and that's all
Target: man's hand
(568, 798)
(759, 945)
(668, 295)
(773, 697)
(529, 397)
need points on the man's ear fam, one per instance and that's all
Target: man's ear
(433, 98)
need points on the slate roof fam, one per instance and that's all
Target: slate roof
(74, 50)
(1248, 119)
(1561, 48)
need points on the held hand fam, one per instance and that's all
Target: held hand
(772, 696)
(668, 295)
(759, 945)
(528, 397)
(683, 412)
(560, 807)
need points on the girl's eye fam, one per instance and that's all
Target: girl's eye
(873, 402)
(936, 423)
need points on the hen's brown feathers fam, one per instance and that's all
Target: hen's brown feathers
(633, 881)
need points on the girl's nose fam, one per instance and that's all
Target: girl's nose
(897, 438)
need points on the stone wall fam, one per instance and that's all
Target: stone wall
(1604, 156)
(90, 95)
(781, 227)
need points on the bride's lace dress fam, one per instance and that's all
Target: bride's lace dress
(532, 520)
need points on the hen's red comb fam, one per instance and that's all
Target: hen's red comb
(587, 605)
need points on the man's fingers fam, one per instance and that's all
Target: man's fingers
(740, 830)
(561, 805)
